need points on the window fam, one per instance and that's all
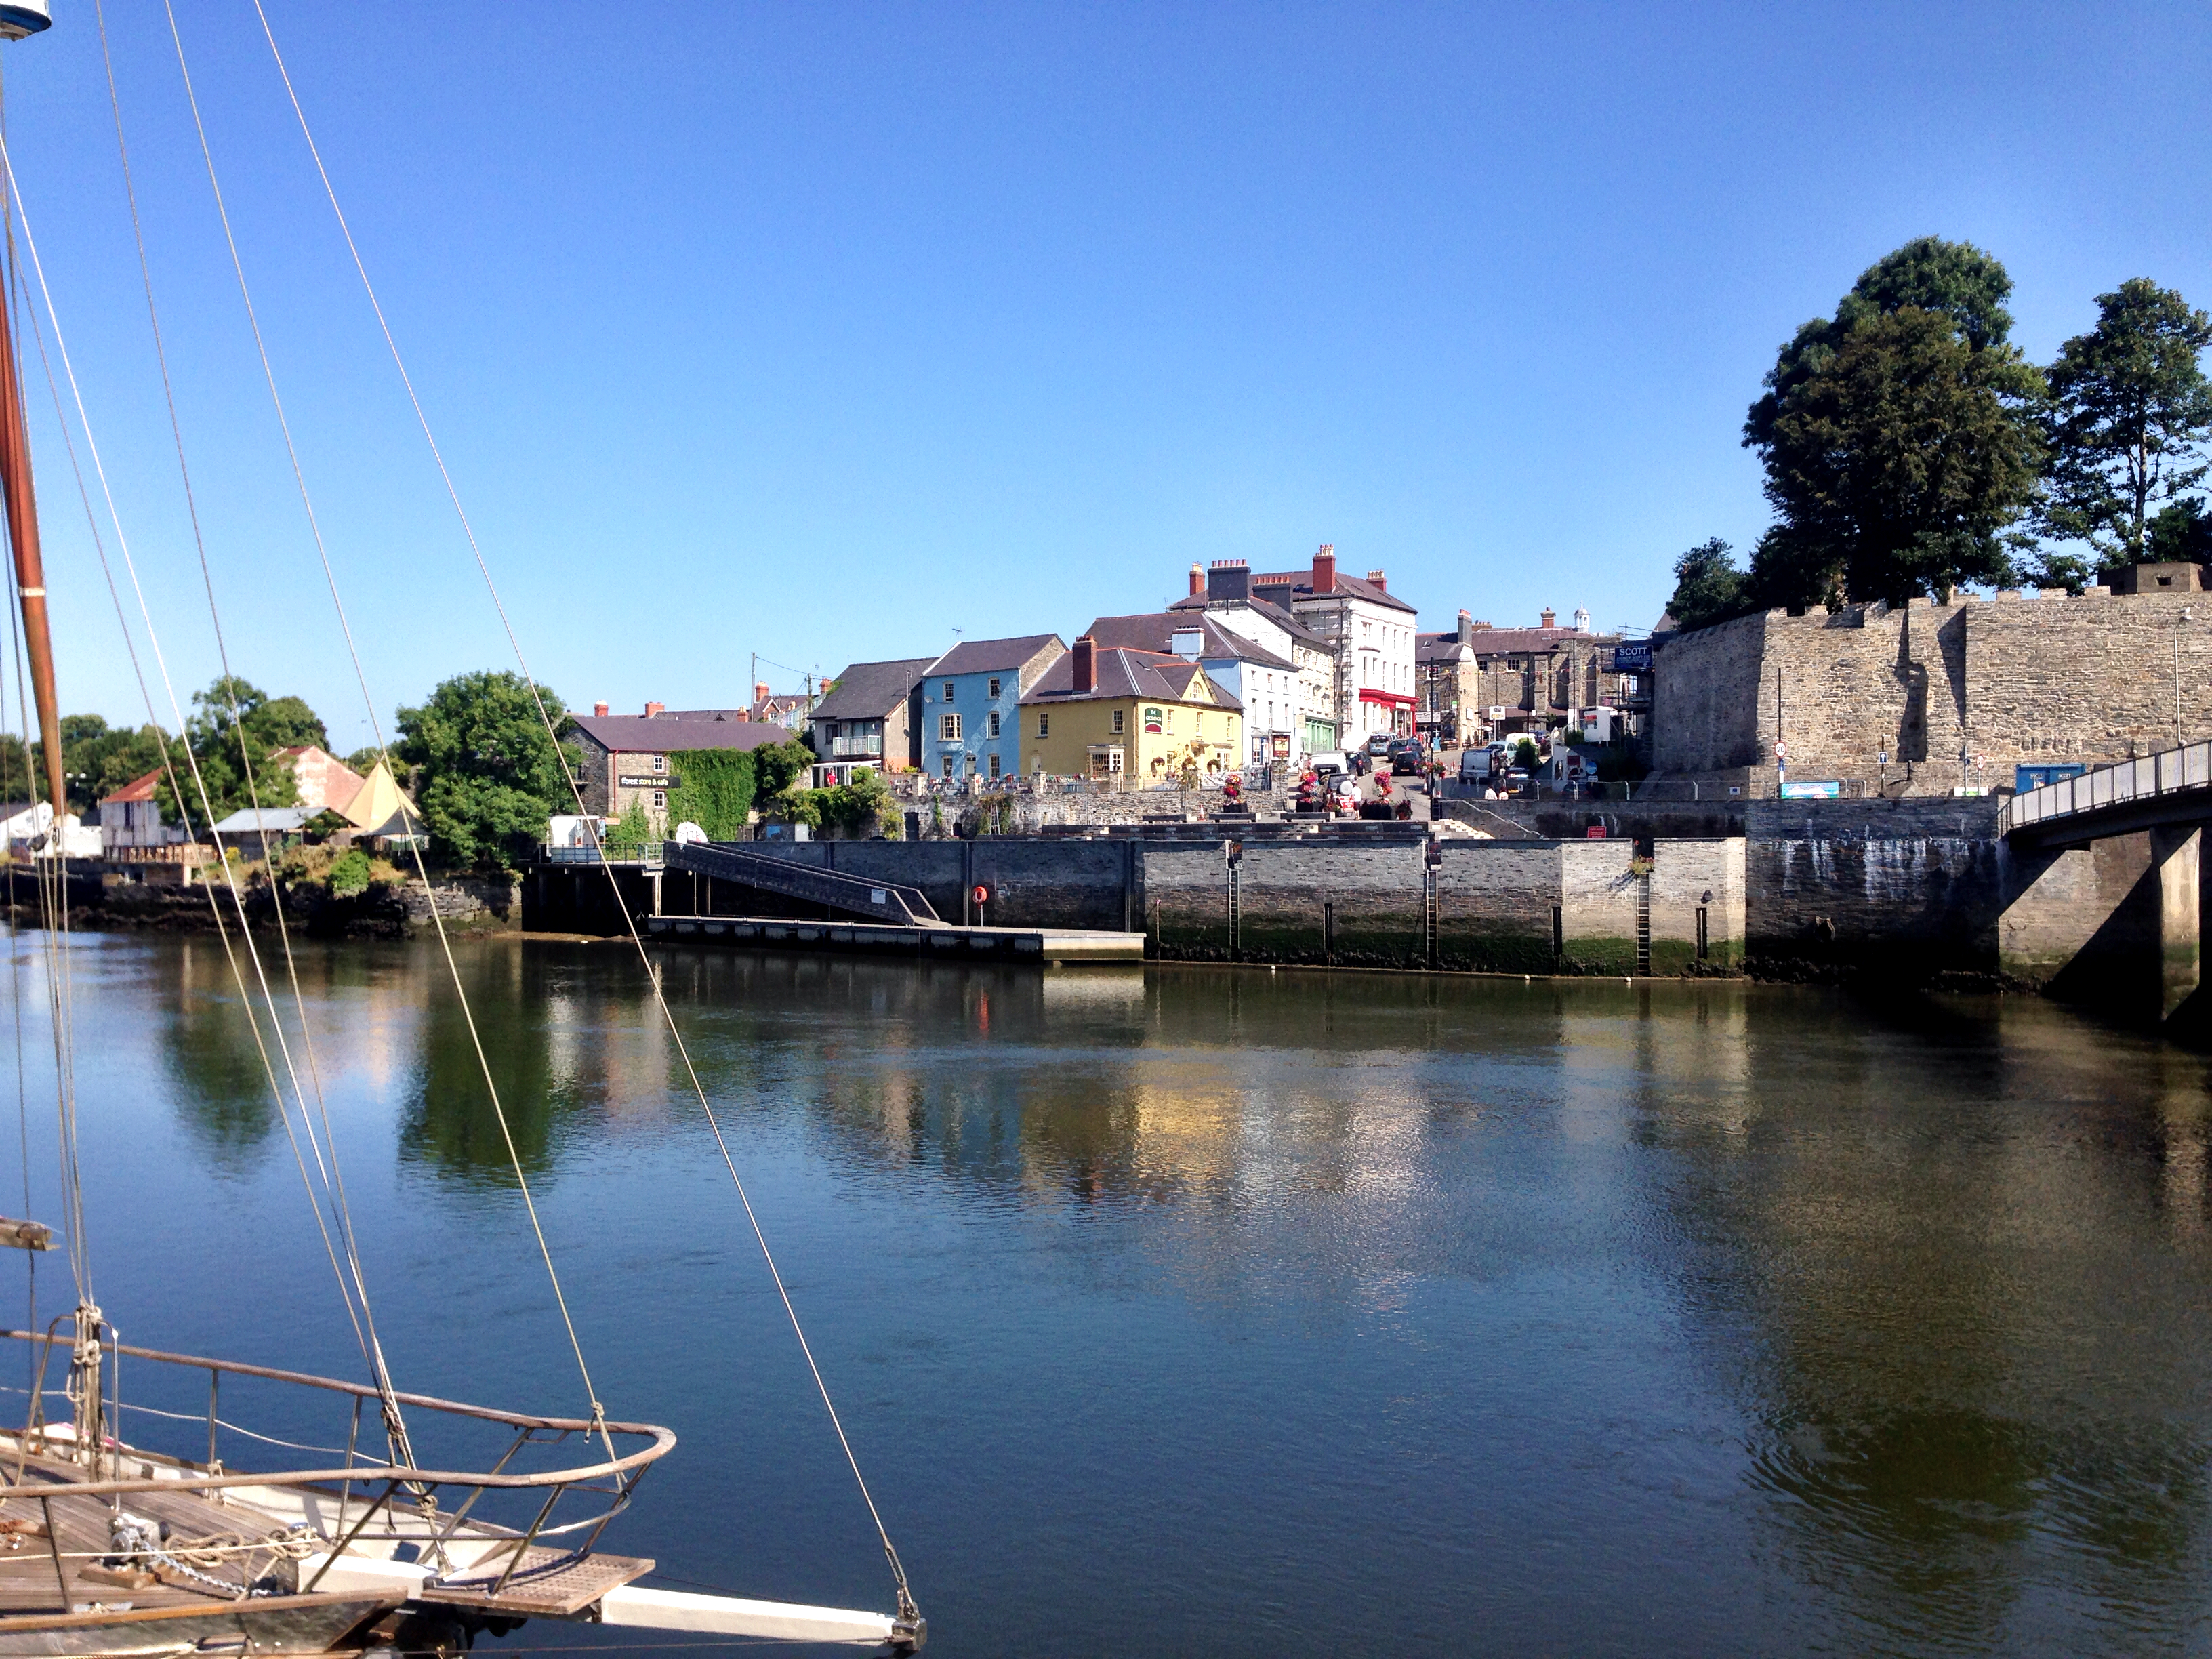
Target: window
(948, 727)
(948, 766)
(660, 763)
(659, 800)
(948, 690)
(994, 687)
(993, 716)
(1044, 725)
(1120, 717)
(1170, 719)
(994, 763)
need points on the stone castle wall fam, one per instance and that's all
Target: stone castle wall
(2012, 680)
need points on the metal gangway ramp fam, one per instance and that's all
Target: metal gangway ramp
(879, 901)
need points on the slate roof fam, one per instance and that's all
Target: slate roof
(870, 690)
(635, 734)
(1269, 609)
(1300, 582)
(984, 656)
(1155, 632)
(1124, 673)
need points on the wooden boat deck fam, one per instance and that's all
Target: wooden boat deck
(30, 1583)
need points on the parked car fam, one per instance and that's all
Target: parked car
(1378, 746)
(1329, 762)
(1516, 780)
(1474, 766)
(1407, 759)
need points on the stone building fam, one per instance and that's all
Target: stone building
(626, 756)
(869, 720)
(1927, 698)
(1480, 682)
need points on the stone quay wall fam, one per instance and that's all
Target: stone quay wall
(1915, 887)
(2012, 680)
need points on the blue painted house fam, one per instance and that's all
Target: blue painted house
(971, 705)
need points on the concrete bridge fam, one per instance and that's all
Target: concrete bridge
(2104, 898)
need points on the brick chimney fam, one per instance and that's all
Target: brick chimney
(1229, 579)
(600, 709)
(655, 708)
(1377, 577)
(760, 691)
(1465, 627)
(1551, 617)
(1324, 568)
(1086, 663)
(1197, 579)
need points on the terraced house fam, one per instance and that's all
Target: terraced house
(971, 704)
(1105, 712)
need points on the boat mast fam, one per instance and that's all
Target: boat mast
(17, 21)
(20, 18)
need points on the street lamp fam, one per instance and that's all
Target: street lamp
(2188, 614)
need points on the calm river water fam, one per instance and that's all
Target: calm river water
(1209, 1312)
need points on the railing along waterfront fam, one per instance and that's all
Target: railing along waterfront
(2169, 772)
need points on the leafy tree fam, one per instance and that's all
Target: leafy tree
(776, 766)
(2130, 408)
(489, 776)
(364, 760)
(2180, 534)
(1708, 587)
(1899, 438)
(97, 758)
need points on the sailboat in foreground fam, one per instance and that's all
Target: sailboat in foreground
(108, 1547)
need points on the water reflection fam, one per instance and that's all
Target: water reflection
(1928, 1279)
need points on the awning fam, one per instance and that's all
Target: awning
(1387, 699)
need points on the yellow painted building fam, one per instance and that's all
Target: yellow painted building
(1141, 714)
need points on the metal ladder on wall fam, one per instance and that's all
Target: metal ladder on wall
(1643, 923)
(1234, 854)
(1430, 920)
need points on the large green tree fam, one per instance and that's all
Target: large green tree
(234, 734)
(1708, 587)
(1899, 437)
(2130, 409)
(486, 775)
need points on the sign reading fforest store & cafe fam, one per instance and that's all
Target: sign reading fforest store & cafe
(647, 780)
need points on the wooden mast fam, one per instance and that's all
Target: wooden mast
(30, 568)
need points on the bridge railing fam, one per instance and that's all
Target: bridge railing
(2169, 772)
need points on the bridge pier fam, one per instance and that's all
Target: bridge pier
(2175, 854)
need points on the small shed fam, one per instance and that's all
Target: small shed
(258, 833)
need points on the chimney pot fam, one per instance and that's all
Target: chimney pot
(599, 708)
(1086, 663)
(1551, 617)
(1377, 577)
(1324, 569)
(760, 691)
(1197, 579)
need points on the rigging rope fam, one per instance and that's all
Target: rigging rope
(168, 761)
(376, 725)
(364, 1322)
(898, 1571)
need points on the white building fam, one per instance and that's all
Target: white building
(1311, 722)
(1373, 633)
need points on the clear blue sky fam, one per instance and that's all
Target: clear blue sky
(826, 330)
